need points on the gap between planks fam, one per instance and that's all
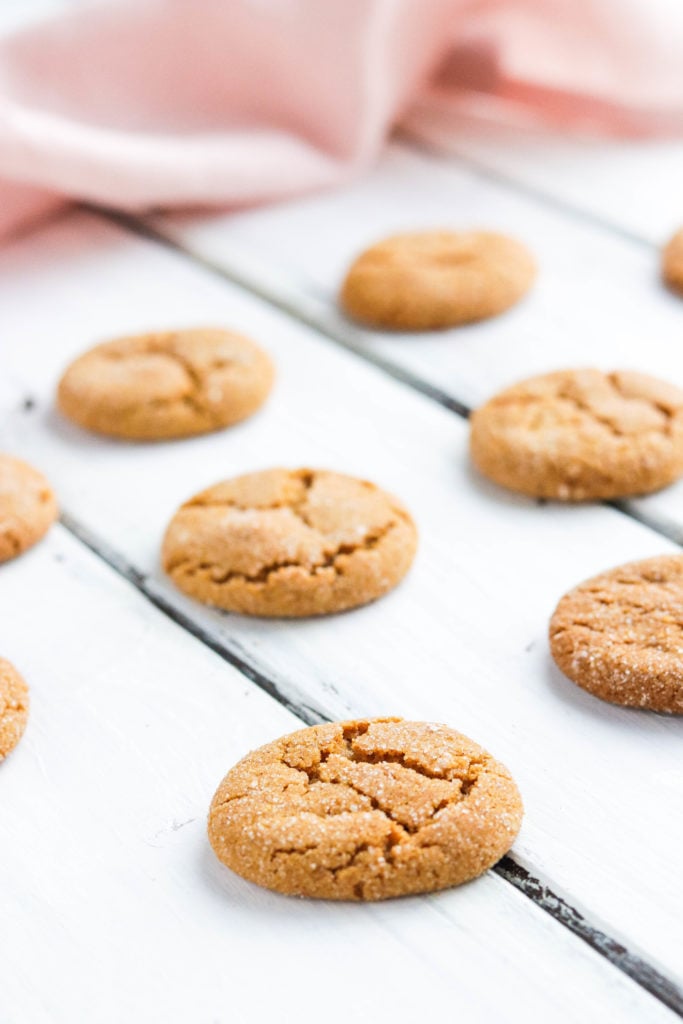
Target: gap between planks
(413, 140)
(618, 955)
(316, 314)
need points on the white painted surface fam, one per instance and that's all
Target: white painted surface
(462, 640)
(112, 905)
(598, 299)
(633, 184)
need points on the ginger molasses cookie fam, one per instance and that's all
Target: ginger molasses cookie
(27, 506)
(165, 385)
(579, 435)
(13, 707)
(433, 279)
(365, 810)
(289, 543)
(620, 634)
(672, 262)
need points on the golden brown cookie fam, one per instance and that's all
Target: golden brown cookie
(27, 506)
(289, 543)
(579, 435)
(432, 279)
(672, 262)
(13, 707)
(164, 385)
(365, 810)
(620, 634)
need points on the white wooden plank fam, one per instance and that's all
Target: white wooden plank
(597, 295)
(598, 300)
(112, 904)
(634, 184)
(462, 640)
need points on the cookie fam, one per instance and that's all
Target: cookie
(620, 634)
(365, 810)
(13, 707)
(433, 279)
(27, 506)
(289, 543)
(672, 262)
(578, 435)
(164, 385)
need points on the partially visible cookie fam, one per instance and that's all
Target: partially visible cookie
(168, 384)
(620, 634)
(27, 506)
(581, 435)
(433, 279)
(672, 262)
(365, 810)
(289, 543)
(13, 707)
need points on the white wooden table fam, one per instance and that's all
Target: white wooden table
(112, 906)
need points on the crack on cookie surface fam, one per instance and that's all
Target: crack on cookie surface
(265, 575)
(164, 345)
(306, 477)
(664, 408)
(322, 772)
(567, 387)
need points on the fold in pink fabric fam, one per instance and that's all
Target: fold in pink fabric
(140, 104)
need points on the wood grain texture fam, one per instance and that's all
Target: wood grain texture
(462, 640)
(112, 903)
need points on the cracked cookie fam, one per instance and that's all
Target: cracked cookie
(166, 385)
(365, 810)
(289, 543)
(27, 507)
(433, 279)
(672, 262)
(13, 707)
(620, 634)
(580, 435)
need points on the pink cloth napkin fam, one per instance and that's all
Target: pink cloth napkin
(148, 103)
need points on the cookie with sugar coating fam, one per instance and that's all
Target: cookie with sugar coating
(365, 810)
(619, 635)
(168, 384)
(428, 280)
(14, 703)
(581, 435)
(289, 543)
(27, 507)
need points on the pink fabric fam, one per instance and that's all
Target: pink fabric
(147, 103)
